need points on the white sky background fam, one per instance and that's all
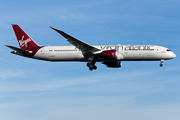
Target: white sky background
(40, 90)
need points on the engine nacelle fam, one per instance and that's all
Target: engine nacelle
(109, 55)
(115, 64)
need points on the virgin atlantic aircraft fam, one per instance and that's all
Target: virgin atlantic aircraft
(110, 55)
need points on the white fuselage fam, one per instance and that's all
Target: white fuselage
(125, 53)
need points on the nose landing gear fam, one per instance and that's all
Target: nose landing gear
(91, 66)
(161, 63)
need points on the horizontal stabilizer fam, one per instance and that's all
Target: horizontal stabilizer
(17, 49)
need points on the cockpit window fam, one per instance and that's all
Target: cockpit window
(168, 50)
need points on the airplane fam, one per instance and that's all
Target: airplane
(110, 55)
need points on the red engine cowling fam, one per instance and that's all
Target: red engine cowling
(109, 55)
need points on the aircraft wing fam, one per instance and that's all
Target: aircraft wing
(84, 47)
(17, 49)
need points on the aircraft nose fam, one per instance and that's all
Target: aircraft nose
(173, 55)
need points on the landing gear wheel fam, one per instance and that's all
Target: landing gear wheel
(161, 65)
(94, 67)
(90, 68)
(88, 64)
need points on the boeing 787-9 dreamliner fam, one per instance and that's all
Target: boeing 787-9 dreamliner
(110, 55)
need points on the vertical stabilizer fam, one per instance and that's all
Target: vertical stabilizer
(24, 40)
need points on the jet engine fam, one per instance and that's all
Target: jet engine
(109, 55)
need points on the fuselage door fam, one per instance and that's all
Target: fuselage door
(158, 50)
(42, 51)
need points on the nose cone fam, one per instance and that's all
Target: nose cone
(172, 55)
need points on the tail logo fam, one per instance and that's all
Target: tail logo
(23, 43)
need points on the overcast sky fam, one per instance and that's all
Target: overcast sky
(40, 90)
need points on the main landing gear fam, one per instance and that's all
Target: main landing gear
(161, 63)
(91, 66)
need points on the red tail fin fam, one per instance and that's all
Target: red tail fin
(23, 38)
